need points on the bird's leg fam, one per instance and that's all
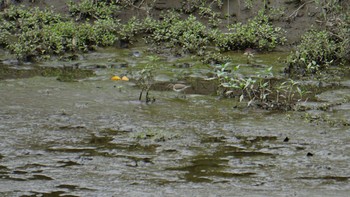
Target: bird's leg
(140, 97)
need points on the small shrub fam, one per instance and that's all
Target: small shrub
(37, 34)
(257, 33)
(189, 35)
(320, 49)
(130, 29)
(213, 17)
(316, 52)
(92, 9)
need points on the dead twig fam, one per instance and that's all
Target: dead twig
(295, 12)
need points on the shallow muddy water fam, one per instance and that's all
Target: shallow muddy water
(93, 137)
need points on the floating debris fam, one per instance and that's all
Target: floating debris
(115, 78)
(125, 78)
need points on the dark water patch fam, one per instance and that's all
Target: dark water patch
(335, 178)
(248, 154)
(209, 170)
(63, 73)
(170, 150)
(4, 170)
(100, 140)
(94, 66)
(40, 177)
(204, 168)
(33, 165)
(109, 149)
(70, 187)
(114, 131)
(72, 127)
(68, 163)
(9, 72)
(239, 152)
(19, 172)
(70, 74)
(213, 139)
(202, 163)
(147, 148)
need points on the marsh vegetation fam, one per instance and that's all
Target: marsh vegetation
(89, 107)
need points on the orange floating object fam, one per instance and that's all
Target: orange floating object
(115, 78)
(125, 78)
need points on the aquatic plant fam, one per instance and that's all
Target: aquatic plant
(214, 58)
(145, 79)
(262, 90)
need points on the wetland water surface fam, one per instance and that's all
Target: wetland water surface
(94, 138)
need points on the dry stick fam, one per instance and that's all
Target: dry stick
(294, 14)
(228, 12)
(141, 3)
(139, 7)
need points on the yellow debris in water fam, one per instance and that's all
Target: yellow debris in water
(115, 78)
(125, 78)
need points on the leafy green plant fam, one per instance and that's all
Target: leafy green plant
(316, 52)
(260, 90)
(23, 19)
(248, 4)
(37, 34)
(208, 13)
(92, 9)
(214, 58)
(326, 47)
(190, 6)
(189, 36)
(128, 30)
(257, 33)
